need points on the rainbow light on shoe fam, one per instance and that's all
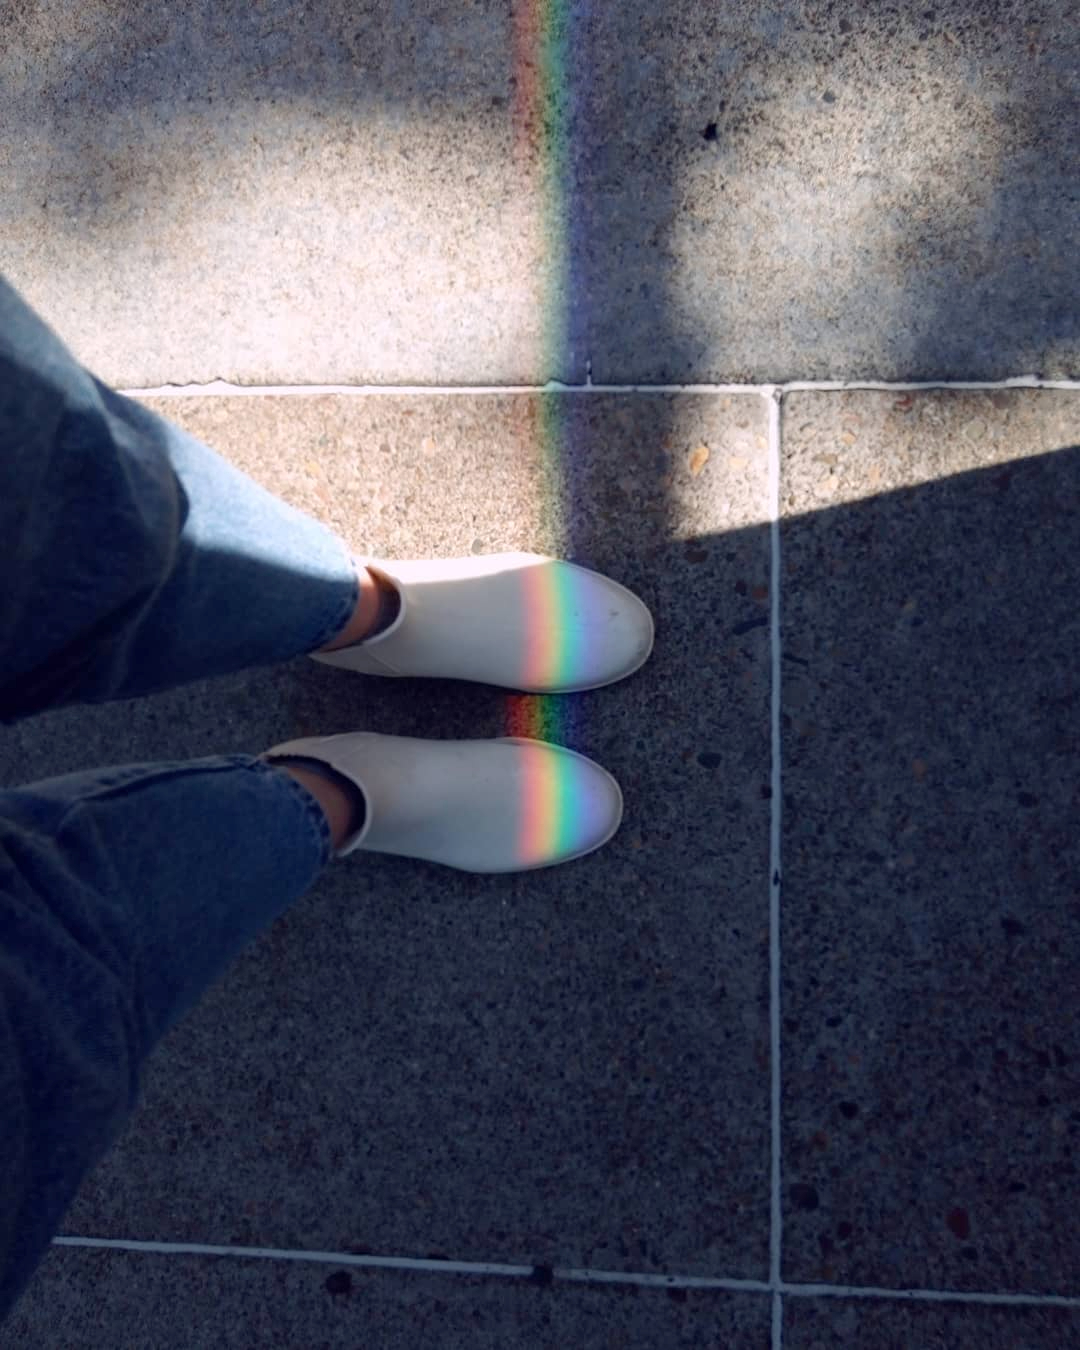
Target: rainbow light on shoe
(552, 600)
(558, 815)
(546, 827)
(550, 822)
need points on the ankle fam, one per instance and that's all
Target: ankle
(341, 800)
(377, 606)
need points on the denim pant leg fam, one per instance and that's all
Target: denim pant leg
(123, 895)
(134, 557)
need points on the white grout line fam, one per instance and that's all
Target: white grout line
(284, 1254)
(775, 1207)
(544, 1274)
(733, 1286)
(1012, 382)
(222, 388)
(548, 1274)
(931, 1296)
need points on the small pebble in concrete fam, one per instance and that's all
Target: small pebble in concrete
(804, 1196)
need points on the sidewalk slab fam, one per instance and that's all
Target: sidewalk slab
(568, 1066)
(94, 1300)
(276, 195)
(815, 1324)
(931, 935)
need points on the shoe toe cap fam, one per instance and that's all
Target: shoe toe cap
(566, 805)
(590, 631)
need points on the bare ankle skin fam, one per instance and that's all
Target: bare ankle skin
(335, 801)
(364, 615)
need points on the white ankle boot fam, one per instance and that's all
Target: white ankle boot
(519, 620)
(506, 805)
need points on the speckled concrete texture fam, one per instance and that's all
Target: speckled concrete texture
(89, 1299)
(821, 1324)
(931, 934)
(565, 1066)
(439, 193)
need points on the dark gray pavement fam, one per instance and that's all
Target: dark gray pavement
(572, 1068)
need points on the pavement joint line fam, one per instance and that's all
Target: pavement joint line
(931, 1295)
(538, 1274)
(775, 1143)
(1011, 382)
(221, 388)
(547, 1274)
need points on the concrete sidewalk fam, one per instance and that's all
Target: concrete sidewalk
(793, 1067)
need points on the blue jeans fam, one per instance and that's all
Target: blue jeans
(134, 559)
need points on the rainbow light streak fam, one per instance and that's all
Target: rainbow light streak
(551, 810)
(541, 119)
(554, 642)
(549, 813)
(559, 813)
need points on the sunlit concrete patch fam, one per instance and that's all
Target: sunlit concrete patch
(842, 447)
(508, 194)
(277, 241)
(824, 190)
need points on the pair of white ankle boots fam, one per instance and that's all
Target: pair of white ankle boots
(518, 620)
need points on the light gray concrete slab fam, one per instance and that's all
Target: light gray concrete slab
(106, 1300)
(816, 1324)
(931, 1093)
(442, 194)
(559, 1066)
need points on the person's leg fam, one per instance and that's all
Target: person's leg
(124, 894)
(135, 558)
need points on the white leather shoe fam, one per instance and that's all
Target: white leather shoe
(519, 620)
(506, 805)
